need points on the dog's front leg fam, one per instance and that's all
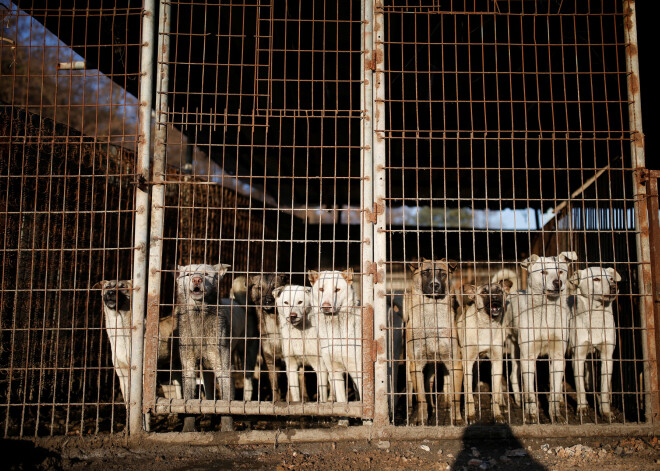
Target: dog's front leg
(557, 367)
(468, 365)
(457, 379)
(189, 385)
(514, 356)
(322, 381)
(421, 413)
(606, 365)
(496, 381)
(528, 367)
(294, 379)
(579, 359)
(269, 359)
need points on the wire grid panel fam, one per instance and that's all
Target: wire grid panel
(262, 187)
(507, 141)
(66, 217)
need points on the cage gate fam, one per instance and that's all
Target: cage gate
(417, 157)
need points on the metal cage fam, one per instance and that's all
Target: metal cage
(392, 166)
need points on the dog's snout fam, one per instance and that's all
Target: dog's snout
(197, 280)
(436, 285)
(557, 284)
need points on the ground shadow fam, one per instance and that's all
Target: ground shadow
(493, 447)
(24, 454)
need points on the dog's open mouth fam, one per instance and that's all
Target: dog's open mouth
(495, 309)
(328, 311)
(553, 292)
(110, 301)
(197, 292)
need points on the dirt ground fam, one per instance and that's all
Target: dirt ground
(106, 454)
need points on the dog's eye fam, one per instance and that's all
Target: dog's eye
(596, 279)
(320, 290)
(443, 275)
(299, 302)
(286, 303)
(544, 272)
(336, 290)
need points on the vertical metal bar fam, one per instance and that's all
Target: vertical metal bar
(652, 398)
(157, 208)
(366, 198)
(380, 235)
(141, 219)
(654, 234)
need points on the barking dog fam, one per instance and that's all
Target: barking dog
(537, 320)
(481, 332)
(260, 290)
(340, 328)
(204, 327)
(431, 333)
(300, 338)
(116, 296)
(592, 328)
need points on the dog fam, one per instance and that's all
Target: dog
(260, 291)
(244, 333)
(592, 329)
(300, 339)
(339, 321)
(537, 322)
(116, 297)
(204, 329)
(510, 346)
(480, 332)
(431, 334)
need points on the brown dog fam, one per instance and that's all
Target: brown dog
(260, 291)
(431, 333)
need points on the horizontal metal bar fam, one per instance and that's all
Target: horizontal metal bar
(168, 406)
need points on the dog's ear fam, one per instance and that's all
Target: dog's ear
(99, 284)
(614, 274)
(506, 285)
(179, 271)
(277, 291)
(574, 280)
(469, 294)
(348, 275)
(452, 265)
(221, 269)
(239, 285)
(529, 261)
(413, 266)
(567, 257)
(313, 275)
(283, 278)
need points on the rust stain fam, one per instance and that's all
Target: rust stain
(634, 84)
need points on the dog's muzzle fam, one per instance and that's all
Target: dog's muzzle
(495, 309)
(327, 309)
(110, 300)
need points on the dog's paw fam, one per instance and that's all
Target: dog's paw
(608, 416)
(531, 418)
(582, 410)
(558, 419)
(500, 419)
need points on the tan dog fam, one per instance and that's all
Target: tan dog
(481, 333)
(431, 333)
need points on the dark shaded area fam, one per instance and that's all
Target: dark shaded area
(18, 455)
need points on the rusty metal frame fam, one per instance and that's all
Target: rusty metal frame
(638, 163)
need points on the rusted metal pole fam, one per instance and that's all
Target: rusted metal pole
(381, 416)
(135, 421)
(157, 210)
(366, 172)
(652, 399)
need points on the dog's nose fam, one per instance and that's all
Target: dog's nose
(326, 305)
(196, 280)
(436, 285)
(556, 284)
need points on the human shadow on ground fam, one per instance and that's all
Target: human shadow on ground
(493, 447)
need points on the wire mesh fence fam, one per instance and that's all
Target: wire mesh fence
(416, 213)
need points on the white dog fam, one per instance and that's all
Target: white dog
(480, 332)
(300, 338)
(116, 297)
(592, 328)
(537, 320)
(340, 328)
